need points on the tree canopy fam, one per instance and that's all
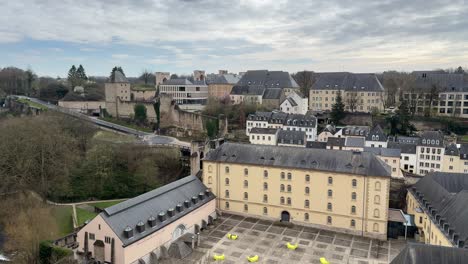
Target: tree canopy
(338, 113)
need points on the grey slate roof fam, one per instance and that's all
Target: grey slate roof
(464, 151)
(429, 254)
(446, 82)
(272, 93)
(297, 120)
(432, 138)
(150, 204)
(366, 82)
(263, 130)
(404, 148)
(119, 77)
(384, 152)
(177, 82)
(452, 150)
(336, 142)
(222, 78)
(291, 137)
(300, 120)
(360, 163)
(447, 194)
(247, 90)
(291, 101)
(378, 133)
(268, 79)
(278, 118)
(355, 142)
(316, 144)
(361, 131)
(407, 140)
(260, 116)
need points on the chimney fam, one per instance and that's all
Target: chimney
(170, 212)
(151, 221)
(140, 226)
(207, 193)
(187, 203)
(201, 196)
(179, 208)
(162, 216)
(194, 199)
(128, 232)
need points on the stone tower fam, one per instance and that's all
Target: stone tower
(161, 77)
(198, 75)
(117, 89)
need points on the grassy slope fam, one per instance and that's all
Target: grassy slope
(113, 137)
(104, 205)
(125, 124)
(63, 216)
(33, 104)
(83, 215)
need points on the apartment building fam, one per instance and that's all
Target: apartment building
(408, 158)
(342, 191)
(292, 122)
(455, 158)
(361, 92)
(391, 157)
(376, 138)
(438, 93)
(263, 136)
(189, 95)
(429, 152)
(438, 202)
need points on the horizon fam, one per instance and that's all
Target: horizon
(332, 36)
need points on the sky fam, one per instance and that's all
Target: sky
(179, 36)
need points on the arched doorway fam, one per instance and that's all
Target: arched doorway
(99, 254)
(285, 217)
(178, 232)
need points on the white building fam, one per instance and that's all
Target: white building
(429, 152)
(263, 136)
(353, 131)
(295, 104)
(189, 95)
(376, 138)
(328, 131)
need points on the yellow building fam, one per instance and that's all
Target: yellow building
(342, 191)
(439, 205)
(455, 159)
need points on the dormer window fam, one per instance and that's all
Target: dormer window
(424, 141)
(377, 137)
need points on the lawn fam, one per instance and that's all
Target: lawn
(104, 205)
(103, 135)
(143, 87)
(126, 124)
(32, 104)
(63, 217)
(82, 215)
(464, 138)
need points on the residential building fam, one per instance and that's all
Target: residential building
(354, 143)
(408, 158)
(361, 92)
(429, 152)
(292, 138)
(336, 143)
(438, 93)
(292, 122)
(140, 229)
(263, 136)
(328, 131)
(220, 85)
(415, 253)
(247, 94)
(438, 202)
(342, 191)
(390, 156)
(272, 97)
(455, 158)
(376, 138)
(189, 95)
(353, 131)
(295, 103)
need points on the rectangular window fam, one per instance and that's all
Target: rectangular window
(107, 240)
(91, 236)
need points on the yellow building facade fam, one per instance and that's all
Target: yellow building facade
(333, 199)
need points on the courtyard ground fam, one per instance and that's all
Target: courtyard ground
(268, 239)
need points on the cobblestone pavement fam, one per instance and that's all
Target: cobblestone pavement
(268, 240)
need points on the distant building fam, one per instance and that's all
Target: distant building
(220, 85)
(376, 138)
(390, 156)
(336, 143)
(141, 229)
(353, 131)
(247, 94)
(272, 97)
(342, 191)
(361, 92)
(354, 143)
(429, 152)
(408, 159)
(295, 103)
(455, 158)
(263, 136)
(328, 131)
(438, 203)
(291, 138)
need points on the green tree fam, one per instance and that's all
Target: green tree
(338, 113)
(72, 76)
(212, 128)
(81, 75)
(140, 113)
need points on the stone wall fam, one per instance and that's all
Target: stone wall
(83, 106)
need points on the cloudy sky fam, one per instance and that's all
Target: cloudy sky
(181, 35)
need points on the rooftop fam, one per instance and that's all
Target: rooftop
(263, 130)
(385, 152)
(360, 163)
(348, 81)
(446, 82)
(291, 137)
(355, 142)
(428, 254)
(273, 93)
(268, 79)
(376, 134)
(247, 90)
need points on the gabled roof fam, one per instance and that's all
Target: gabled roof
(446, 194)
(119, 77)
(260, 116)
(181, 81)
(336, 142)
(376, 134)
(404, 148)
(429, 254)
(354, 142)
(141, 208)
(291, 137)
(300, 120)
(445, 82)
(222, 78)
(359, 163)
(432, 138)
(361, 131)
(268, 79)
(247, 90)
(272, 93)
(384, 152)
(452, 150)
(263, 130)
(359, 82)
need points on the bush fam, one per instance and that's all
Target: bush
(49, 253)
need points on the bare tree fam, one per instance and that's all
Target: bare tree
(146, 76)
(305, 80)
(353, 101)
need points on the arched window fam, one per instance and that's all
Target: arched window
(306, 203)
(377, 186)
(246, 196)
(210, 179)
(353, 209)
(353, 196)
(282, 175)
(306, 217)
(289, 176)
(330, 193)
(376, 213)
(209, 168)
(289, 201)
(376, 227)
(307, 190)
(265, 174)
(265, 198)
(226, 181)
(246, 207)
(377, 199)
(265, 210)
(226, 169)
(246, 183)
(354, 183)
(265, 186)
(329, 220)
(226, 205)
(307, 178)
(282, 200)
(329, 207)
(282, 188)
(353, 223)
(246, 171)
(330, 180)
(289, 188)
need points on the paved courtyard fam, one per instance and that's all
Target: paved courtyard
(267, 240)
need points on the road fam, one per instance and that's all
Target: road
(148, 138)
